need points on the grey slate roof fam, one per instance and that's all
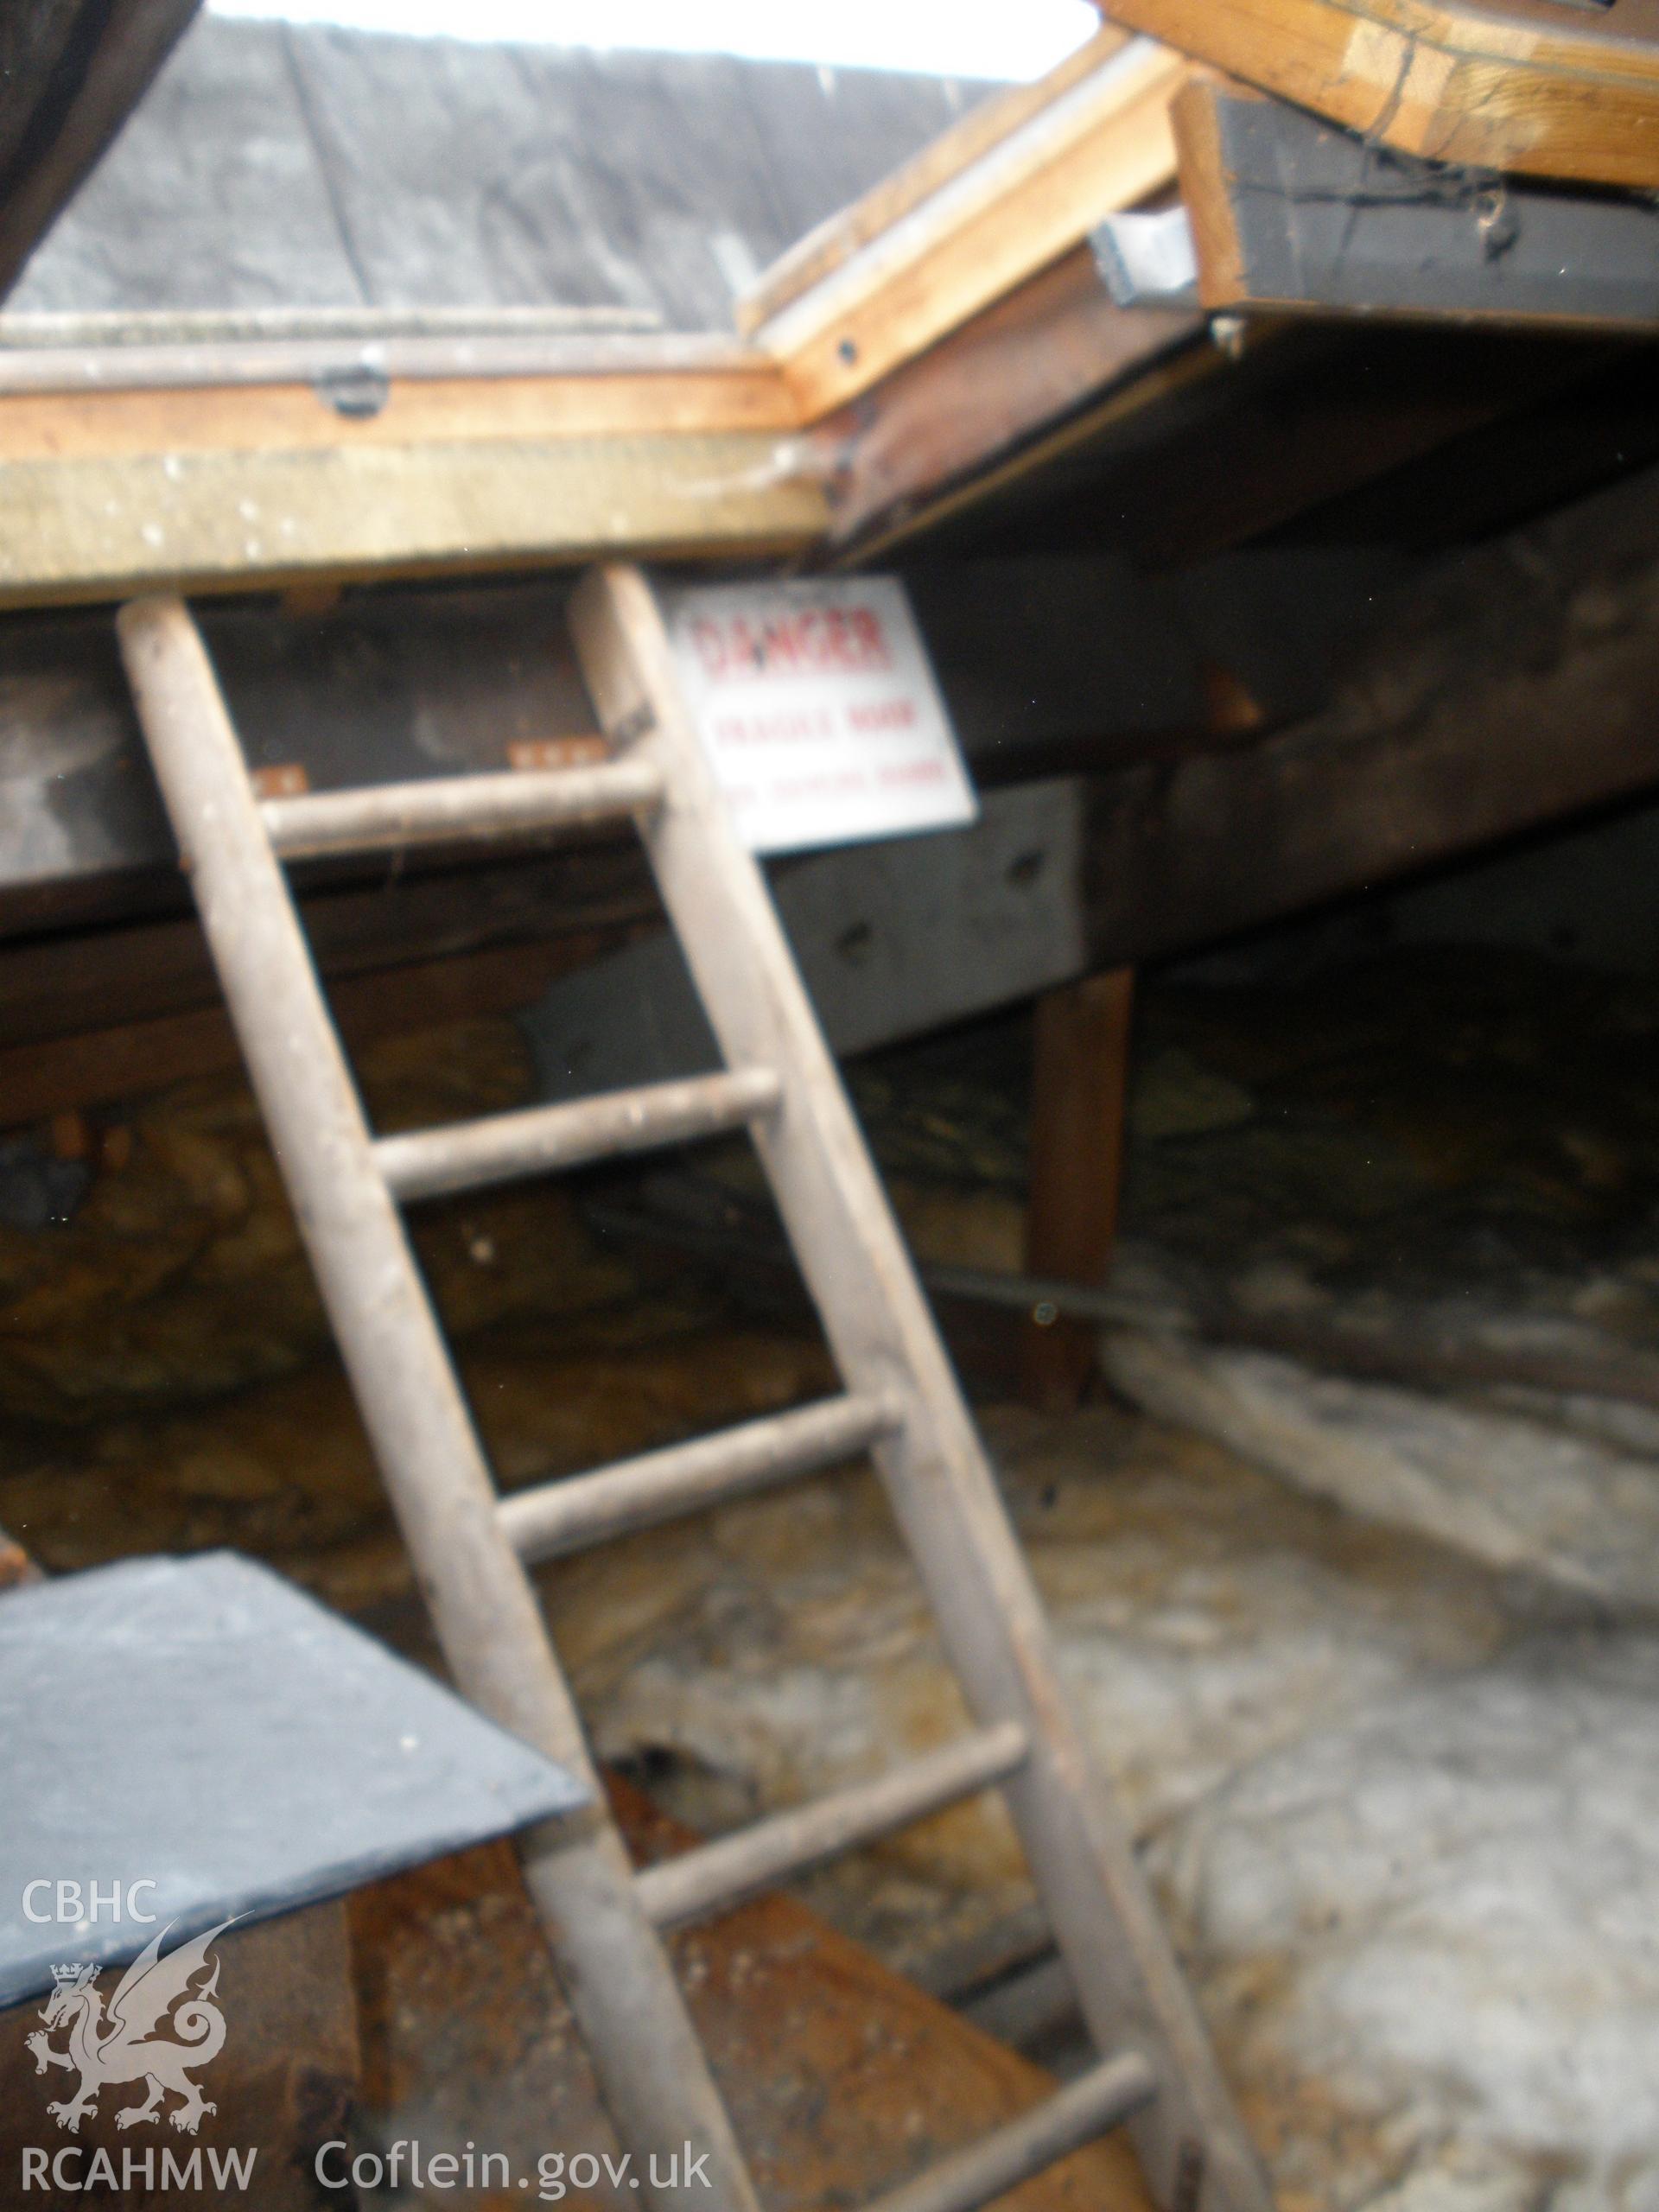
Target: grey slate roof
(277, 165)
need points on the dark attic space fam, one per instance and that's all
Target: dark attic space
(1346, 1535)
(829, 1108)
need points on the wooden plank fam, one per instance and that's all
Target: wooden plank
(100, 528)
(1188, 852)
(95, 1067)
(384, 687)
(1501, 692)
(1547, 87)
(844, 2078)
(1289, 212)
(67, 349)
(1046, 665)
(300, 414)
(283, 2086)
(102, 978)
(1079, 1077)
(71, 73)
(1053, 344)
(835, 241)
(1236, 449)
(1129, 412)
(1104, 143)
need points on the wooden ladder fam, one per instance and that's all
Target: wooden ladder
(900, 1402)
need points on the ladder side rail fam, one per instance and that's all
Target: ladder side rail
(1191, 2146)
(651, 2069)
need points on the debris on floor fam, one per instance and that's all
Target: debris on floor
(1355, 1595)
(842, 2079)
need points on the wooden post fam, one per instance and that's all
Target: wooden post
(1079, 1065)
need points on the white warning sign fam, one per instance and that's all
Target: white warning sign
(819, 711)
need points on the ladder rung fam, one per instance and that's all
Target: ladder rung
(425, 1162)
(1103, 2097)
(723, 1873)
(561, 1516)
(443, 809)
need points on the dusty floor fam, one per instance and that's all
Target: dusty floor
(1375, 1667)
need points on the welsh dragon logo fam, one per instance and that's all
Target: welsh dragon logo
(124, 2045)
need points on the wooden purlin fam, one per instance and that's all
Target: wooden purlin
(1544, 87)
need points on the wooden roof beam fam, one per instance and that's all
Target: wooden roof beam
(938, 428)
(1288, 216)
(124, 472)
(1547, 87)
(1013, 189)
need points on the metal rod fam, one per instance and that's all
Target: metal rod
(652, 2072)
(1042, 1298)
(561, 1516)
(721, 1874)
(1101, 2099)
(1417, 1358)
(424, 1163)
(445, 810)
